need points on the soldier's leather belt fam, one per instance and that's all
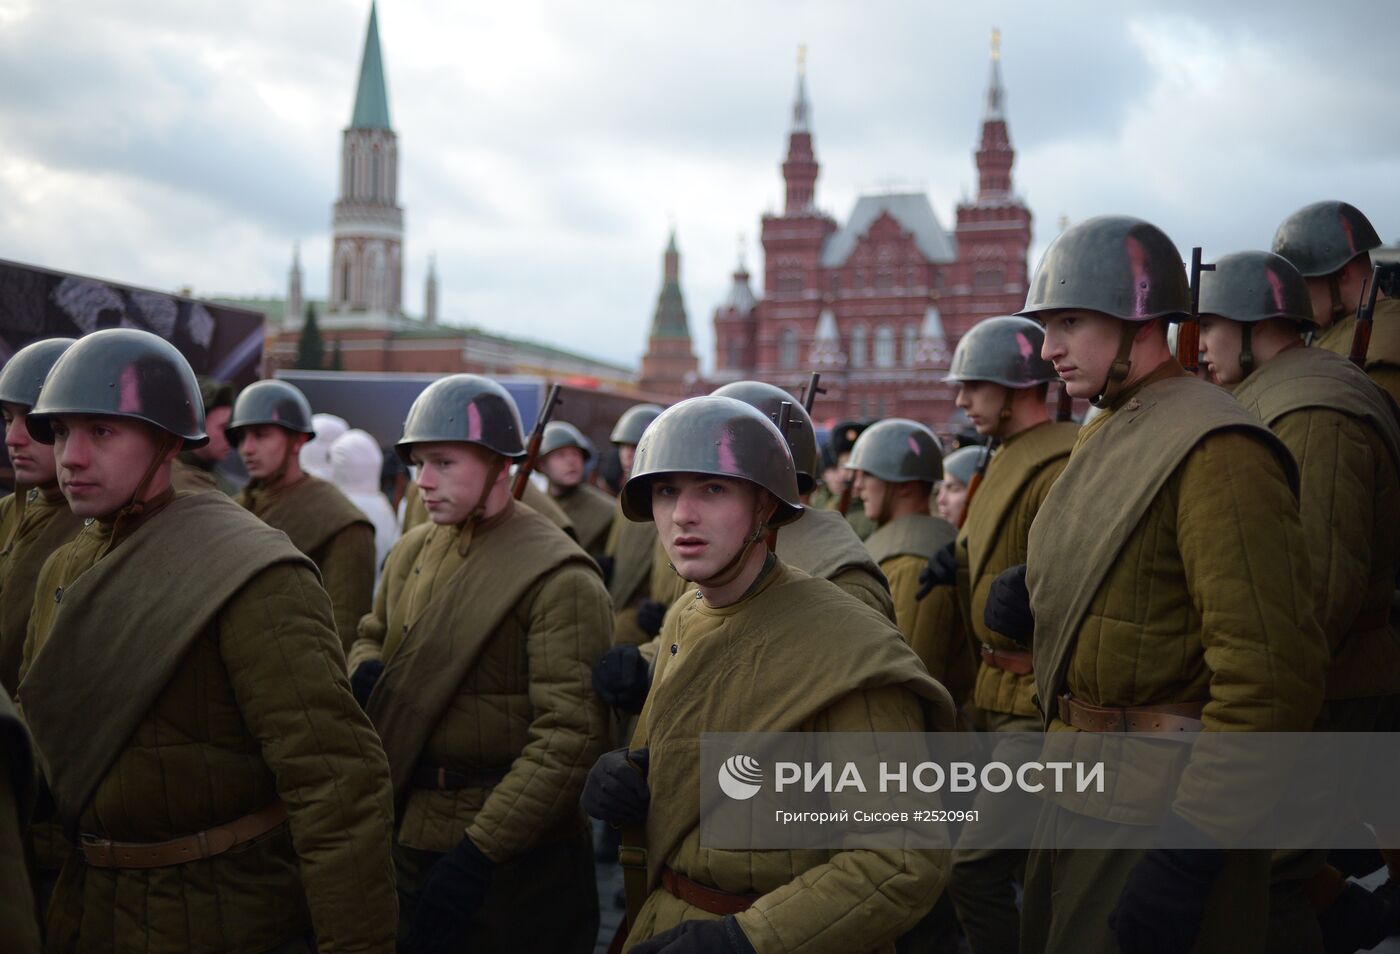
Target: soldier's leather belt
(1010, 660)
(102, 853)
(435, 777)
(704, 897)
(1166, 717)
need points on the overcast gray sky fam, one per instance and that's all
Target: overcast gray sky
(545, 147)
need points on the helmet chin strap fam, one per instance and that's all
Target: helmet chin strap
(730, 571)
(469, 523)
(1118, 371)
(1246, 350)
(137, 504)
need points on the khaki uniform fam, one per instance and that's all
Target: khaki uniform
(17, 912)
(1383, 355)
(227, 695)
(634, 549)
(337, 536)
(993, 539)
(1343, 433)
(31, 528)
(822, 544)
(811, 901)
(488, 636)
(591, 512)
(902, 548)
(1168, 614)
(188, 473)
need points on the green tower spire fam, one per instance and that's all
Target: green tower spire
(371, 97)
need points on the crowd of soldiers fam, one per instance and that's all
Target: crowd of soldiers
(222, 735)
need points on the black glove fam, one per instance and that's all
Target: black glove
(455, 889)
(942, 570)
(362, 681)
(650, 615)
(1359, 919)
(698, 937)
(1009, 606)
(621, 678)
(616, 789)
(1160, 908)
(606, 564)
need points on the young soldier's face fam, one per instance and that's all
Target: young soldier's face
(451, 476)
(703, 521)
(33, 462)
(625, 453)
(266, 448)
(564, 467)
(871, 491)
(102, 460)
(952, 497)
(1081, 345)
(982, 401)
(1220, 347)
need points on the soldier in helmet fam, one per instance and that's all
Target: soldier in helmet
(35, 519)
(564, 457)
(631, 550)
(1330, 243)
(1139, 615)
(715, 476)
(1002, 383)
(270, 422)
(194, 470)
(896, 463)
(958, 468)
(186, 692)
(843, 438)
(1341, 429)
(474, 666)
(819, 543)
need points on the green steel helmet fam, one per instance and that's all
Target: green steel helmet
(898, 450)
(721, 436)
(1004, 351)
(123, 372)
(270, 402)
(1254, 286)
(801, 433)
(23, 375)
(633, 422)
(1320, 238)
(962, 463)
(1114, 264)
(561, 434)
(464, 408)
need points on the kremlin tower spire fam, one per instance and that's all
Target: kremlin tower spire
(995, 155)
(800, 167)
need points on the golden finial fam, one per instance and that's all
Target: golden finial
(996, 43)
(802, 59)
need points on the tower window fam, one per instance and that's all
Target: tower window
(884, 347)
(911, 344)
(858, 346)
(787, 348)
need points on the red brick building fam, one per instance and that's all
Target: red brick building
(878, 302)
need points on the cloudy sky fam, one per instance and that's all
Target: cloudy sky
(545, 147)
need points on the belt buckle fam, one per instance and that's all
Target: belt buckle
(630, 856)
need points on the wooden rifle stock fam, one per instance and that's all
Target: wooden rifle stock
(1188, 333)
(1365, 317)
(532, 450)
(1064, 404)
(976, 480)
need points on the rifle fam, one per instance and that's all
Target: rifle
(1382, 273)
(810, 392)
(976, 480)
(1188, 333)
(1064, 404)
(784, 422)
(532, 451)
